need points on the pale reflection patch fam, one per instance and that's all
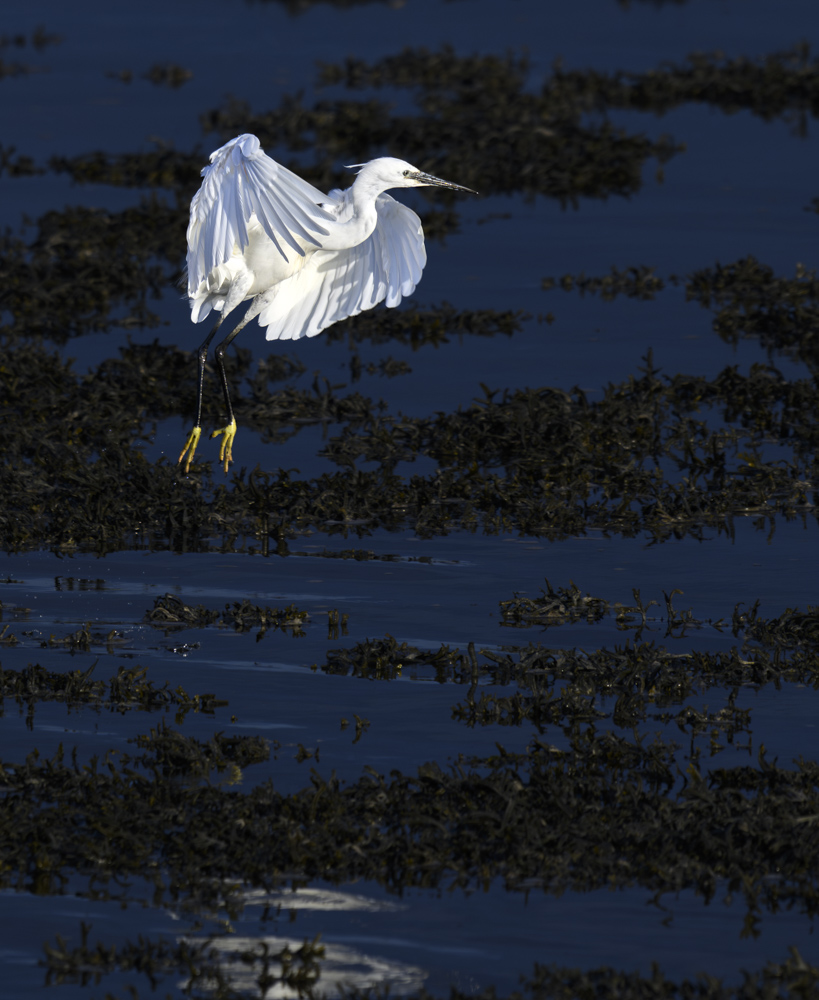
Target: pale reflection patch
(321, 899)
(340, 968)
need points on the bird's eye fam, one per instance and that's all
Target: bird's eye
(406, 173)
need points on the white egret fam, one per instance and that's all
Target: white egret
(305, 259)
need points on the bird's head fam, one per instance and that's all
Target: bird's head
(388, 172)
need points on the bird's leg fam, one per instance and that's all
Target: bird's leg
(229, 430)
(193, 437)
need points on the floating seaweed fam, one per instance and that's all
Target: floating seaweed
(170, 612)
(127, 691)
(480, 820)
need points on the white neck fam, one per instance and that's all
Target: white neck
(361, 223)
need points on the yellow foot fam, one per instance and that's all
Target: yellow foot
(190, 448)
(226, 451)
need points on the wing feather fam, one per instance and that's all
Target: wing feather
(240, 181)
(335, 284)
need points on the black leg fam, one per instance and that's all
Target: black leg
(219, 355)
(193, 437)
(229, 430)
(203, 360)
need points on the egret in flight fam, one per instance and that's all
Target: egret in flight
(305, 259)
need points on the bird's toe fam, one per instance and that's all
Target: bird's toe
(226, 450)
(190, 447)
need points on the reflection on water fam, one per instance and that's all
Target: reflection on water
(342, 968)
(327, 900)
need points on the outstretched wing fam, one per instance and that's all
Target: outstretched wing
(242, 181)
(335, 284)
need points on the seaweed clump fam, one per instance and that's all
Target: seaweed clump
(129, 689)
(435, 828)
(172, 754)
(205, 966)
(169, 612)
(633, 282)
(747, 298)
(750, 300)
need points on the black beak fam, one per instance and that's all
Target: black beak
(432, 181)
